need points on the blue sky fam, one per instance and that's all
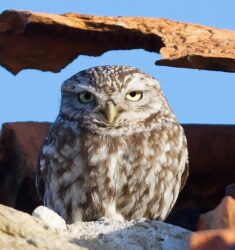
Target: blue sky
(195, 96)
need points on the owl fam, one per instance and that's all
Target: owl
(115, 150)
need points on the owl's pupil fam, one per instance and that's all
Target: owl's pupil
(133, 94)
(87, 96)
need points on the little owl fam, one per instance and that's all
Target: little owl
(115, 150)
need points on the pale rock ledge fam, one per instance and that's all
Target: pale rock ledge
(19, 230)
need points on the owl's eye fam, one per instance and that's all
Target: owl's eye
(85, 97)
(134, 96)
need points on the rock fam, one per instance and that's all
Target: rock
(212, 240)
(135, 234)
(19, 147)
(49, 218)
(222, 216)
(50, 42)
(19, 230)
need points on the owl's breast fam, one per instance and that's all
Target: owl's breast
(90, 175)
(118, 166)
(107, 159)
(138, 172)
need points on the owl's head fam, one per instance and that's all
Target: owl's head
(112, 99)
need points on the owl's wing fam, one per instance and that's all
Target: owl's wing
(184, 176)
(43, 160)
(40, 178)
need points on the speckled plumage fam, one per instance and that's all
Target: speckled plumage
(131, 167)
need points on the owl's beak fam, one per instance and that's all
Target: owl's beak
(110, 111)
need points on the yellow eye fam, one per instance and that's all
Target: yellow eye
(85, 97)
(134, 96)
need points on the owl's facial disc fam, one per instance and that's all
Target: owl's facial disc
(124, 107)
(111, 101)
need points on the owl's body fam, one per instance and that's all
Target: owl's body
(116, 149)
